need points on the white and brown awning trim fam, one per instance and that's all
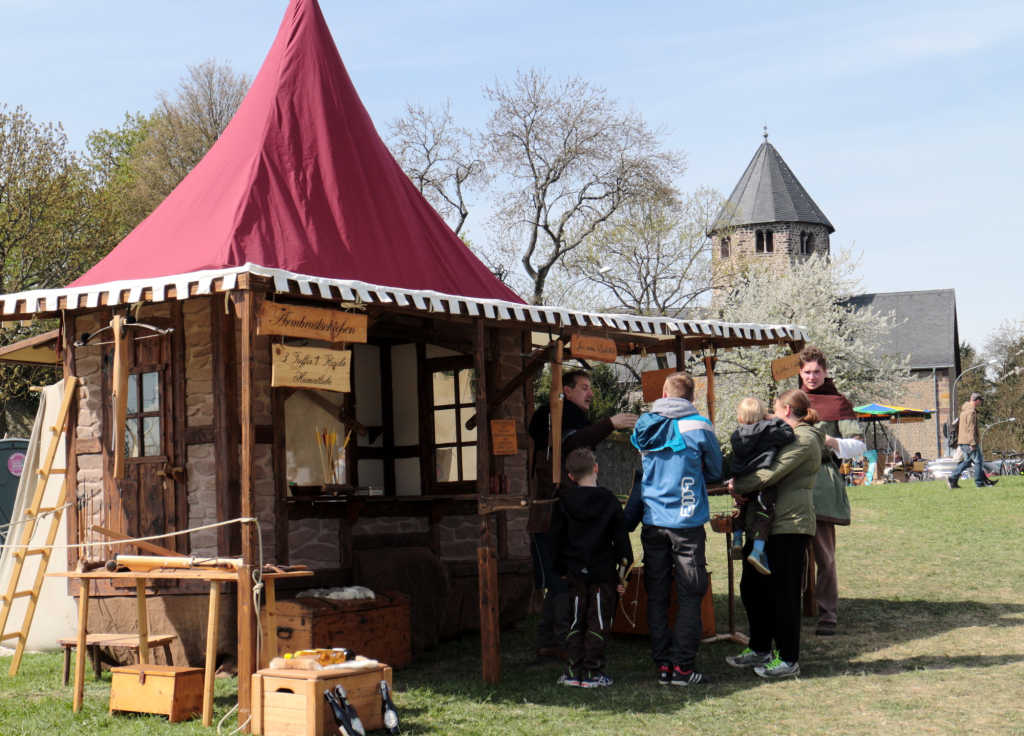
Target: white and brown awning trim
(51, 302)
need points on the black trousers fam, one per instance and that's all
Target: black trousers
(773, 601)
(591, 607)
(674, 554)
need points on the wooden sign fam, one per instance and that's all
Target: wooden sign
(503, 437)
(786, 367)
(653, 382)
(316, 368)
(310, 322)
(594, 348)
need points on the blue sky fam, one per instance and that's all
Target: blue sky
(902, 120)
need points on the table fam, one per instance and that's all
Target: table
(214, 576)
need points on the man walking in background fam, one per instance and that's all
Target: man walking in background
(967, 436)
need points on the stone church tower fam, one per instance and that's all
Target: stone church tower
(769, 217)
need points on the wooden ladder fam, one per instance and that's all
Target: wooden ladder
(30, 518)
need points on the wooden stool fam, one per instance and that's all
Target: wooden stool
(93, 642)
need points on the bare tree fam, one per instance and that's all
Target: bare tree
(181, 130)
(654, 255)
(440, 158)
(569, 159)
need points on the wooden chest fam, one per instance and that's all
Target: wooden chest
(176, 692)
(291, 702)
(379, 628)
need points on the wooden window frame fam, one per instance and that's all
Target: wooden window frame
(427, 407)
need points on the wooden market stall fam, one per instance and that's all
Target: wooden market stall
(296, 286)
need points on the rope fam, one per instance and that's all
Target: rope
(152, 537)
(257, 578)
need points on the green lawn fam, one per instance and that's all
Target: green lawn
(931, 641)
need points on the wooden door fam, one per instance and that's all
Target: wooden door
(150, 499)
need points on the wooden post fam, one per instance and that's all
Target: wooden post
(556, 400)
(212, 618)
(487, 561)
(680, 353)
(119, 384)
(709, 371)
(244, 303)
(83, 629)
(143, 614)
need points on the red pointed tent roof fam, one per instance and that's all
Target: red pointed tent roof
(301, 181)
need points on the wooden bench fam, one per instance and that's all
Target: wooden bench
(93, 642)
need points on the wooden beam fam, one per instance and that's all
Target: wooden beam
(225, 424)
(278, 398)
(555, 400)
(76, 522)
(709, 370)
(119, 391)
(487, 559)
(680, 352)
(246, 311)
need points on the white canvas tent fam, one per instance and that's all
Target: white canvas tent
(56, 615)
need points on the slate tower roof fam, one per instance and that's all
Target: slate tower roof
(768, 191)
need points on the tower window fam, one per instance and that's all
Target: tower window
(725, 247)
(806, 243)
(759, 241)
(764, 242)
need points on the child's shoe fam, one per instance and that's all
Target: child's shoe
(759, 561)
(569, 679)
(684, 678)
(664, 675)
(596, 679)
(736, 551)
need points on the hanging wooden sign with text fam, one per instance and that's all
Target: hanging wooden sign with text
(310, 322)
(786, 367)
(594, 348)
(316, 368)
(503, 437)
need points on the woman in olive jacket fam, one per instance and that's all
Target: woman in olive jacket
(773, 601)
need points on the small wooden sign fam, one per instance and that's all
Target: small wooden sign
(504, 440)
(310, 322)
(786, 367)
(316, 368)
(594, 348)
(653, 382)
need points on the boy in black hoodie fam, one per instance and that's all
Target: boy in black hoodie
(589, 538)
(754, 445)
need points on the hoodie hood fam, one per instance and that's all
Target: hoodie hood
(579, 503)
(674, 408)
(656, 430)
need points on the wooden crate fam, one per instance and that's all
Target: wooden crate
(631, 613)
(380, 628)
(291, 702)
(176, 692)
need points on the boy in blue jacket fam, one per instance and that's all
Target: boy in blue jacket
(680, 456)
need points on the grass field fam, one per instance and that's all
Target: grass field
(931, 642)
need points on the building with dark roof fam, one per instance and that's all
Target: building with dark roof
(925, 329)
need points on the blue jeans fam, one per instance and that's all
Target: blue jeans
(972, 454)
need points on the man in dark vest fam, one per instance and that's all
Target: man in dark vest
(577, 431)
